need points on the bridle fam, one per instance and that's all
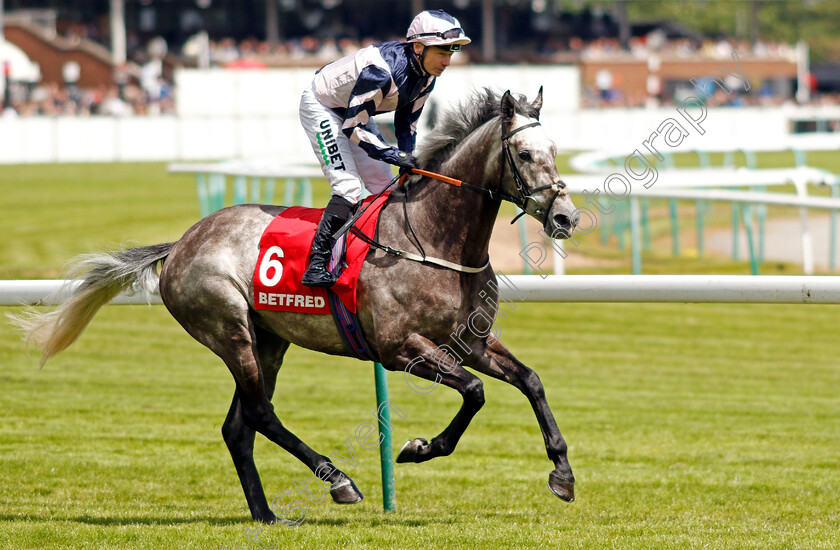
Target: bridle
(525, 192)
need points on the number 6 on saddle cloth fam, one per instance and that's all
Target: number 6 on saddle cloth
(284, 247)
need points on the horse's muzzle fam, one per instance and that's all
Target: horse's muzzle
(563, 225)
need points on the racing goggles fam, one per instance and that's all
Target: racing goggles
(445, 35)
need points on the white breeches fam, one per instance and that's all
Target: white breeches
(347, 167)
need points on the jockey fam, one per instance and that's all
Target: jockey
(336, 113)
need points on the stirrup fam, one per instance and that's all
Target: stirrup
(318, 278)
(318, 273)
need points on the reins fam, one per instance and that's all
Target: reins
(521, 201)
(422, 257)
(495, 195)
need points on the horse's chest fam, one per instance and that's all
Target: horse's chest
(435, 311)
(414, 299)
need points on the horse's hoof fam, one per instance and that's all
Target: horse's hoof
(265, 518)
(344, 491)
(563, 488)
(409, 451)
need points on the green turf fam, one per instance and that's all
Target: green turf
(51, 213)
(690, 426)
(54, 212)
(718, 430)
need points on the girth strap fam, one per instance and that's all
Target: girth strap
(350, 328)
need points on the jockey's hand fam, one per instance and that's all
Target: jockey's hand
(406, 161)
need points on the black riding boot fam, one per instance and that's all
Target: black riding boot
(318, 270)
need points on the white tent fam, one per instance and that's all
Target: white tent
(20, 67)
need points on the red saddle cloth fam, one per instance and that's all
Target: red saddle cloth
(284, 249)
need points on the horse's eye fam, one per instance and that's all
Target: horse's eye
(525, 155)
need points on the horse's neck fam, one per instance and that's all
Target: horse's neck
(457, 222)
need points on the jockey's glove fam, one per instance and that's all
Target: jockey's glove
(406, 161)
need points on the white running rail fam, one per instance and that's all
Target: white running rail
(777, 289)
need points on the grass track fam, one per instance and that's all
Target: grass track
(689, 426)
(55, 212)
(719, 430)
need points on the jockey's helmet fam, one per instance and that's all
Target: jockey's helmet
(437, 28)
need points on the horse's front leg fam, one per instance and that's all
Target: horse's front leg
(417, 359)
(498, 362)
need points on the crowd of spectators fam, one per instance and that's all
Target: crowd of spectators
(58, 100)
(642, 47)
(137, 99)
(312, 50)
(763, 96)
(309, 50)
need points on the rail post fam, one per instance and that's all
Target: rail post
(386, 449)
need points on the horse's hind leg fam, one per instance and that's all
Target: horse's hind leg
(240, 438)
(500, 363)
(239, 352)
(222, 323)
(240, 442)
(417, 359)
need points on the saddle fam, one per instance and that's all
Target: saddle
(284, 248)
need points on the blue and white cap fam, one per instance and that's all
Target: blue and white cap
(437, 28)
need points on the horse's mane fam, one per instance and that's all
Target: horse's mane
(460, 121)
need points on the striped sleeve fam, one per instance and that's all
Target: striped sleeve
(405, 119)
(369, 91)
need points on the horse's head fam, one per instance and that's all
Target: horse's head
(528, 169)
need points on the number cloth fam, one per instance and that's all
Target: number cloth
(284, 247)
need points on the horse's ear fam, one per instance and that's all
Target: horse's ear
(508, 107)
(538, 102)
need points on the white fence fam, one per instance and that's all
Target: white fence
(276, 92)
(190, 138)
(774, 289)
(138, 139)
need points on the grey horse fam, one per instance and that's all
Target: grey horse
(419, 316)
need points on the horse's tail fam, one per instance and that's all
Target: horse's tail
(103, 276)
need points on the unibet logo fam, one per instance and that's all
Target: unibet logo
(329, 148)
